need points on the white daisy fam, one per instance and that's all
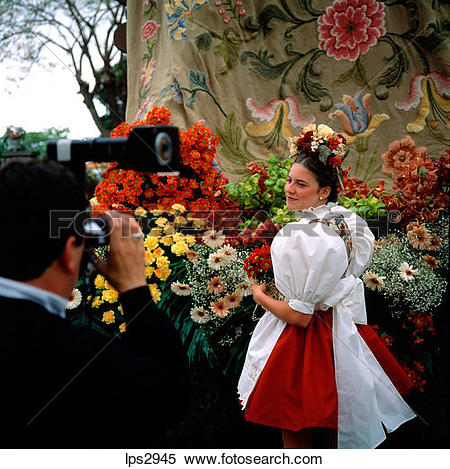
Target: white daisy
(75, 299)
(181, 289)
(373, 281)
(214, 239)
(216, 261)
(407, 271)
(228, 251)
(199, 315)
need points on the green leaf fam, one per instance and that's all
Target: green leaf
(203, 41)
(230, 54)
(344, 78)
(359, 75)
(198, 79)
(261, 64)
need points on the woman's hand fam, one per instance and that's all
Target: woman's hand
(259, 292)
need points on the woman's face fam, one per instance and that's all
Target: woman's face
(302, 189)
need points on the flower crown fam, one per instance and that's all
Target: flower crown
(322, 143)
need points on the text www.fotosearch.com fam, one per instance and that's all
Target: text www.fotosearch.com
(223, 459)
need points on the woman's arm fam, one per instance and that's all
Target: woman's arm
(281, 309)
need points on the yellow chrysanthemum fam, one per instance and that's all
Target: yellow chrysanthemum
(167, 240)
(99, 282)
(169, 229)
(123, 327)
(179, 248)
(178, 237)
(156, 232)
(108, 286)
(111, 296)
(149, 257)
(149, 271)
(89, 298)
(120, 309)
(157, 213)
(140, 212)
(151, 242)
(163, 263)
(180, 220)
(97, 302)
(155, 292)
(163, 274)
(190, 239)
(179, 207)
(161, 221)
(109, 317)
(158, 252)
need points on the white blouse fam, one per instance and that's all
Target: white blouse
(312, 270)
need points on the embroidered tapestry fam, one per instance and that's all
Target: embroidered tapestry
(257, 71)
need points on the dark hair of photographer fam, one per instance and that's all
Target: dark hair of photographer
(325, 174)
(26, 248)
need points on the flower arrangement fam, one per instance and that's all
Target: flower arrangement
(168, 238)
(217, 286)
(409, 268)
(258, 265)
(15, 133)
(127, 189)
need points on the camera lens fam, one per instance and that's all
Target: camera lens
(163, 148)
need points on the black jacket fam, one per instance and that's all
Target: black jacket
(63, 386)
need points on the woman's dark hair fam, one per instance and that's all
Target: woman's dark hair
(325, 174)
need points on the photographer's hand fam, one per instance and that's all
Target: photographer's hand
(125, 264)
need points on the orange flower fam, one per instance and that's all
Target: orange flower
(418, 237)
(216, 285)
(233, 300)
(431, 261)
(433, 242)
(399, 154)
(220, 309)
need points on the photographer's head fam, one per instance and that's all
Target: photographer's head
(29, 192)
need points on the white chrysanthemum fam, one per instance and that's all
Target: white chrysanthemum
(216, 261)
(199, 315)
(407, 271)
(323, 131)
(214, 239)
(228, 252)
(75, 299)
(373, 281)
(181, 289)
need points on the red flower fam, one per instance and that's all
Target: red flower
(350, 27)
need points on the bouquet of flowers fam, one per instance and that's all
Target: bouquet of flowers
(409, 268)
(217, 286)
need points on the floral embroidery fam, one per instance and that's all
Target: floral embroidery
(149, 29)
(356, 118)
(147, 73)
(279, 113)
(399, 154)
(431, 92)
(177, 12)
(350, 27)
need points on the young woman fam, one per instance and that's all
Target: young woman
(313, 368)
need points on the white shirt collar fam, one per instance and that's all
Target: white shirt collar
(52, 302)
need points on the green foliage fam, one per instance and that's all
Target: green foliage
(37, 141)
(269, 196)
(365, 207)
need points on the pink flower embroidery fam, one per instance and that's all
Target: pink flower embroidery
(149, 29)
(147, 73)
(350, 27)
(431, 93)
(399, 154)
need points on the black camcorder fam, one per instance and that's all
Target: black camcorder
(148, 149)
(152, 149)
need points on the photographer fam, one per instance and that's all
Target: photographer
(67, 386)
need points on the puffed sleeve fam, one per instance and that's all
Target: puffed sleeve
(308, 261)
(362, 240)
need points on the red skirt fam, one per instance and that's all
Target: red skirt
(297, 388)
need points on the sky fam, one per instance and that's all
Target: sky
(44, 98)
